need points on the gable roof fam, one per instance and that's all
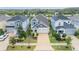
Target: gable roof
(42, 18)
(60, 17)
(4, 17)
(74, 18)
(66, 26)
(18, 17)
(39, 26)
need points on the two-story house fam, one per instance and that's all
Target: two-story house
(62, 25)
(13, 23)
(40, 24)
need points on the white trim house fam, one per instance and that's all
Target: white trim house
(40, 24)
(15, 22)
(62, 25)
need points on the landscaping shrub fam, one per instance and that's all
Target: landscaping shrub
(1, 32)
(57, 36)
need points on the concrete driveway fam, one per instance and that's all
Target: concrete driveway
(75, 43)
(4, 44)
(43, 43)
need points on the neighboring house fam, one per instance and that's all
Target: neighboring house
(40, 24)
(3, 19)
(13, 23)
(62, 25)
(75, 21)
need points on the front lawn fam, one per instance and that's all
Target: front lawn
(20, 48)
(53, 40)
(22, 40)
(31, 40)
(62, 48)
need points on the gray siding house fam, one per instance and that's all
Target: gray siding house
(62, 25)
(15, 22)
(75, 21)
(40, 24)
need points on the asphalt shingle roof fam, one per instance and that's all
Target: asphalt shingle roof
(19, 17)
(42, 19)
(4, 17)
(60, 17)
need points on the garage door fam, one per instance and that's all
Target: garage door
(11, 30)
(42, 30)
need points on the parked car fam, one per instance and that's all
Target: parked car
(3, 37)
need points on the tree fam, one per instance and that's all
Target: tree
(77, 32)
(20, 32)
(68, 41)
(1, 32)
(25, 12)
(63, 36)
(12, 41)
(57, 36)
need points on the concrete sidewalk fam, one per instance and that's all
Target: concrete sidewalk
(64, 44)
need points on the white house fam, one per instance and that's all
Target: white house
(40, 24)
(62, 25)
(15, 22)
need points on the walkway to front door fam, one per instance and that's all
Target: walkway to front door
(43, 43)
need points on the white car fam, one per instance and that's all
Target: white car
(3, 37)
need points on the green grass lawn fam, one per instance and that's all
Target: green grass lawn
(62, 48)
(53, 40)
(20, 48)
(30, 40)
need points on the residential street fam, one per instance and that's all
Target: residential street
(75, 43)
(43, 43)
